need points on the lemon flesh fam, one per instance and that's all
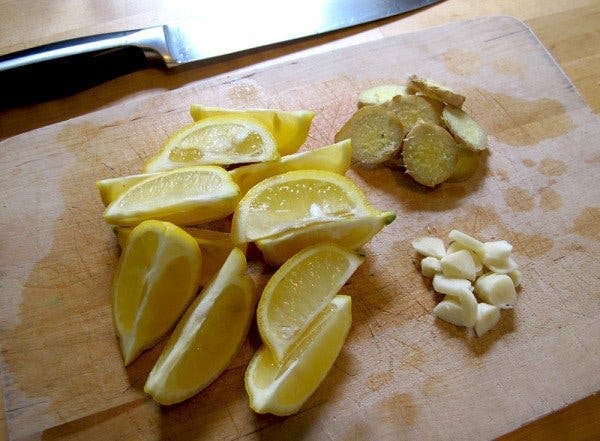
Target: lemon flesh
(216, 140)
(207, 337)
(299, 291)
(282, 388)
(185, 196)
(215, 247)
(289, 128)
(295, 200)
(110, 189)
(335, 158)
(348, 233)
(156, 278)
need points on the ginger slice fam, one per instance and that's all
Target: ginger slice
(436, 91)
(429, 246)
(464, 129)
(430, 266)
(412, 108)
(429, 153)
(487, 318)
(466, 165)
(378, 95)
(376, 134)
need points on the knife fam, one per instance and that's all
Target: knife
(66, 67)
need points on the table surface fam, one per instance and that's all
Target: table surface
(568, 28)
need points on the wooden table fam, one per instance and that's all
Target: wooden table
(569, 29)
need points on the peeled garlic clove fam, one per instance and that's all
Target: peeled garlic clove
(487, 318)
(496, 252)
(430, 266)
(504, 267)
(466, 241)
(459, 265)
(451, 286)
(430, 246)
(516, 277)
(455, 246)
(496, 289)
(458, 311)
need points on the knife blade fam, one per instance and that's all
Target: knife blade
(66, 67)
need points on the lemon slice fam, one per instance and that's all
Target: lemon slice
(217, 140)
(335, 158)
(295, 200)
(215, 247)
(157, 277)
(348, 233)
(185, 196)
(290, 128)
(282, 388)
(299, 291)
(207, 337)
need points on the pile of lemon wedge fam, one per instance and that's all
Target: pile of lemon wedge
(176, 277)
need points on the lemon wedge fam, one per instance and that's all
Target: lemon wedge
(282, 388)
(290, 128)
(348, 233)
(157, 276)
(299, 291)
(207, 337)
(296, 200)
(184, 196)
(215, 247)
(335, 158)
(219, 140)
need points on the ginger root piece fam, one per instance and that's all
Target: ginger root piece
(429, 153)
(430, 266)
(376, 135)
(436, 91)
(487, 318)
(411, 109)
(378, 95)
(466, 165)
(429, 246)
(464, 129)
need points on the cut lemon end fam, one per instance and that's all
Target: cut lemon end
(215, 247)
(156, 278)
(289, 128)
(348, 233)
(299, 291)
(294, 200)
(335, 158)
(207, 337)
(221, 140)
(111, 189)
(186, 196)
(282, 388)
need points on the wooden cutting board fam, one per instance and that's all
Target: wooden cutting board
(401, 374)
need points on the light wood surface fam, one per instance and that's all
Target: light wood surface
(567, 28)
(401, 373)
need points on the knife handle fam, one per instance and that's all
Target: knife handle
(67, 67)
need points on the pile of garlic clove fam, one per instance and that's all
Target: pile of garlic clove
(468, 265)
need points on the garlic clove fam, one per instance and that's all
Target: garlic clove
(487, 318)
(459, 265)
(430, 246)
(430, 266)
(496, 289)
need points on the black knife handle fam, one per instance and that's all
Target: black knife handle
(66, 67)
(67, 75)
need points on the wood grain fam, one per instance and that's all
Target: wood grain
(401, 373)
